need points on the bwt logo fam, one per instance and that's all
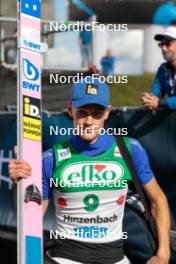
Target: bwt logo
(31, 73)
(32, 45)
(31, 7)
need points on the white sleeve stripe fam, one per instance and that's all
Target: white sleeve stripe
(135, 142)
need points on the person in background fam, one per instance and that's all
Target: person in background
(107, 63)
(86, 48)
(92, 69)
(163, 92)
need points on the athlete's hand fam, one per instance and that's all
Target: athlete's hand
(157, 260)
(145, 97)
(19, 169)
(150, 101)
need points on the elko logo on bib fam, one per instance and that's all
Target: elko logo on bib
(92, 173)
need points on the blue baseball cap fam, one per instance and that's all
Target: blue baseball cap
(90, 91)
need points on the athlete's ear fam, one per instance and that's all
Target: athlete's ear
(108, 110)
(70, 109)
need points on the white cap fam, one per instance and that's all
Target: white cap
(168, 34)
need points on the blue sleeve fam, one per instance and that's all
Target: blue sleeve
(141, 162)
(158, 91)
(47, 171)
(157, 88)
(103, 61)
(113, 62)
(171, 102)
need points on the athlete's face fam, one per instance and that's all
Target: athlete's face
(89, 119)
(168, 49)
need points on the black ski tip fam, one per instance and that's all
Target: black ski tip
(32, 193)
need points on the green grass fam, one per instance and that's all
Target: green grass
(129, 94)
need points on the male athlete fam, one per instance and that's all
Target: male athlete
(89, 183)
(165, 80)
